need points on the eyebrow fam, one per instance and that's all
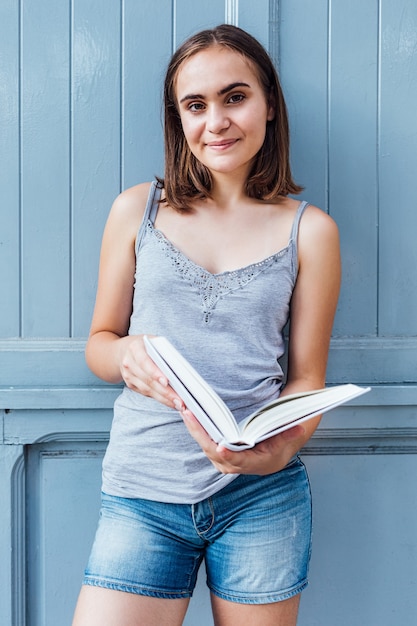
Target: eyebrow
(197, 96)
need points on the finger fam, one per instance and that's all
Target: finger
(273, 445)
(152, 388)
(293, 433)
(195, 428)
(225, 460)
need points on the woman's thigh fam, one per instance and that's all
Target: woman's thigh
(98, 606)
(277, 614)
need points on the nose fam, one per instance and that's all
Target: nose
(217, 119)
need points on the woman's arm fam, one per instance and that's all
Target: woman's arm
(111, 353)
(313, 308)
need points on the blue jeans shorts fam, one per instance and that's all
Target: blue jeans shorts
(254, 536)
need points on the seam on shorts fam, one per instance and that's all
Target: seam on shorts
(267, 598)
(136, 589)
(311, 516)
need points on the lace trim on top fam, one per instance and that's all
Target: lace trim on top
(211, 287)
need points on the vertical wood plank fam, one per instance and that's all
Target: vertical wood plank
(398, 168)
(328, 61)
(255, 22)
(303, 38)
(9, 171)
(188, 18)
(147, 41)
(353, 193)
(45, 168)
(95, 144)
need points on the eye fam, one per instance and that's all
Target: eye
(195, 107)
(236, 98)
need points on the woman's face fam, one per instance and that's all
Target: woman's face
(223, 110)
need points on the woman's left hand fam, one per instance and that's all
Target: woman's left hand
(266, 457)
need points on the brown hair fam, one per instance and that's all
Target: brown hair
(185, 177)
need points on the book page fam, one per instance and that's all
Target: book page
(197, 395)
(299, 407)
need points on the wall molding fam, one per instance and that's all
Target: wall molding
(28, 363)
(18, 541)
(362, 441)
(326, 441)
(103, 396)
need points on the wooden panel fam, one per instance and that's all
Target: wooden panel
(147, 47)
(188, 17)
(9, 171)
(397, 168)
(43, 364)
(353, 193)
(303, 47)
(328, 64)
(363, 561)
(45, 168)
(59, 540)
(49, 510)
(95, 144)
(256, 22)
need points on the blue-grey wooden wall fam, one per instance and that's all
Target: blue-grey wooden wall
(80, 84)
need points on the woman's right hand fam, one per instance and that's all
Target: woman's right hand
(141, 374)
(112, 354)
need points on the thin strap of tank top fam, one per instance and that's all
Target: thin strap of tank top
(294, 230)
(294, 233)
(151, 209)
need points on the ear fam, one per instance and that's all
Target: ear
(271, 108)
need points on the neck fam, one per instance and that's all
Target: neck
(227, 190)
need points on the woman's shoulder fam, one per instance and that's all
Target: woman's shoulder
(317, 231)
(313, 218)
(133, 199)
(311, 212)
(316, 220)
(126, 213)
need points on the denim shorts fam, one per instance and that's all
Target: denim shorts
(254, 536)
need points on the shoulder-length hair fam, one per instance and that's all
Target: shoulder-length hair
(185, 178)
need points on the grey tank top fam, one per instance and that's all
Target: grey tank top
(229, 326)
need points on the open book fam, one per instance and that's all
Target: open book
(216, 418)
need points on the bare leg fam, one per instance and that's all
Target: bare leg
(276, 614)
(105, 607)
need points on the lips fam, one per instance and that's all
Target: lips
(222, 145)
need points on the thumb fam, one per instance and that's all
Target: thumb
(293, 433)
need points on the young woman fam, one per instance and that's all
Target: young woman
(217, 257)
